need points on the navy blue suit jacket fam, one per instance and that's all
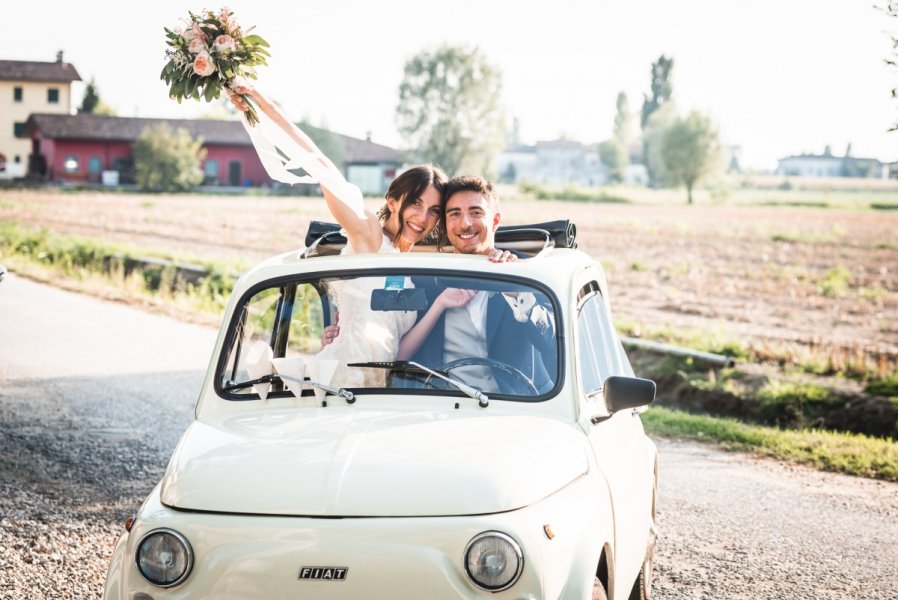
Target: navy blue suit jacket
(531, 349)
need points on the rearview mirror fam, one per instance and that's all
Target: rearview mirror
(395, 300)
(622, 393)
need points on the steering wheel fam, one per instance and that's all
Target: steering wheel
(509, 378)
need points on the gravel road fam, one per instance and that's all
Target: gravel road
(90, 410)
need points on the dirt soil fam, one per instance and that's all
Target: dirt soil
(765, 273)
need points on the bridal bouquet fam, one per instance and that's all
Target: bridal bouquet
(211, 52)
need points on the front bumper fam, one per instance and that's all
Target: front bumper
(257, 556)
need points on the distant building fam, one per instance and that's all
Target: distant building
(28, 87)
(828, 165)
(557, 162)
(369, 165)
(81, 148)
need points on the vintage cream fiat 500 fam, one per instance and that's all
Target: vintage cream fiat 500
(504, 459)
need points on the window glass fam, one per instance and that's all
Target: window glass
(17, 94)
(601, 353)
(18, 128)
(502, 341)
(70, 164)
(210, 168)
(53, 95)
(94, 165)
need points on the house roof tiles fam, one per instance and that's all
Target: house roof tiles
(213, 132)
(29, 70)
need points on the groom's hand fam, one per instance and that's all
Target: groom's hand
(455, 297)
(501, 256)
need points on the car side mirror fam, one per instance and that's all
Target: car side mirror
(622, 393)
(390, 300)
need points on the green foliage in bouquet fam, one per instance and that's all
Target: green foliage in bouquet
(209, 53)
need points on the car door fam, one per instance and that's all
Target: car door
(622, 451)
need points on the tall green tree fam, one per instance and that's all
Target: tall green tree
(623, 121)
(690, 150)
(449, 111)
(661, 86)
(167, 160)
(91, 98)
(615, 152)
(91, 102)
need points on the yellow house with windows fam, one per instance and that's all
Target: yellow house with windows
(29, 87)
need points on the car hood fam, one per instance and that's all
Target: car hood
(330, 462)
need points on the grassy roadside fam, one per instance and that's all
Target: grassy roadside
(102, 269)
(140, 276)
(843, 452)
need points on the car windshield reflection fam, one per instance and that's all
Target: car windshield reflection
(391, 331)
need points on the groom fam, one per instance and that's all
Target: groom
(469, 323)
(477, 323)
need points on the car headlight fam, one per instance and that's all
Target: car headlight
(493, 561)
(164, 557)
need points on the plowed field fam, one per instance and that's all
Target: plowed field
(807, 276)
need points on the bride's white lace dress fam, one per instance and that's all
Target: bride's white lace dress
(365, 334)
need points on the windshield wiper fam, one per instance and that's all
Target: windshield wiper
(330, 389)
(408, 365)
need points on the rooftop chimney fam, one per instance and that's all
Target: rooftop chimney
(59, 57)
(367, 136)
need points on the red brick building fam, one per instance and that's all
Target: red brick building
(79, 148)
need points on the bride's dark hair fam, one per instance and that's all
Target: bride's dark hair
(407, 188)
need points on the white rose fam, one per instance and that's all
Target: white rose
(224, 43)
(203, 65)
(197, 45)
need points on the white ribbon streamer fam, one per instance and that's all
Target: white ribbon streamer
(268, 138)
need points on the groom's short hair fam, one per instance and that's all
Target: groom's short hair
(470, 183)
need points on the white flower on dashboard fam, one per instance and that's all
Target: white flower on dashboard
(203, 64)
(224, 43)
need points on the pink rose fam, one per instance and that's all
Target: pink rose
(224, 43)
(203, 65)
(197, 45)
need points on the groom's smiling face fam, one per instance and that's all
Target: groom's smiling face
(471, 222)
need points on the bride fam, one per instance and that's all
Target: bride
(410, 214)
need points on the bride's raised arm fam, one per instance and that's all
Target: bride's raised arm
(363, 228)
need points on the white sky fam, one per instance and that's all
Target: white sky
(778, 77)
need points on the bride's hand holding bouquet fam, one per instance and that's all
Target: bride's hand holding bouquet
(210, 53)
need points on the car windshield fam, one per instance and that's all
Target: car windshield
(388, 331)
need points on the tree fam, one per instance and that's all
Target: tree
(92, 104)
(623, 122)
(661, 89)
(657, 124)
(615, 153)
(330, 144)
(91, 98)
(615, 157)
(510, 174)
(690, 150)
(449, 112)
(167, 160)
